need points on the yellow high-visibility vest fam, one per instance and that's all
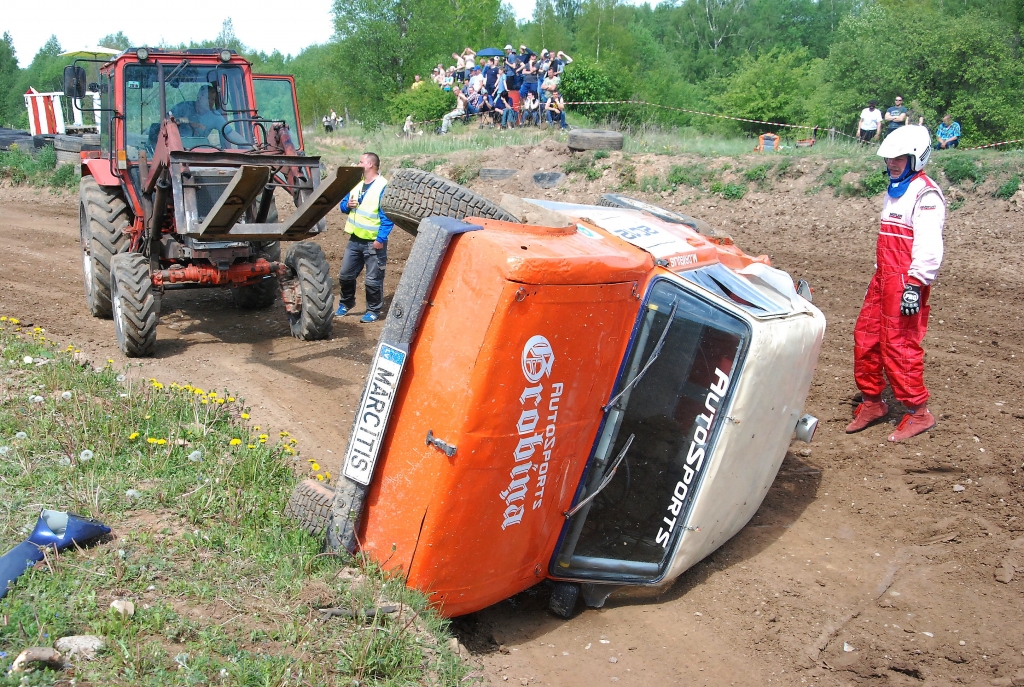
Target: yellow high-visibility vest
(364, 219)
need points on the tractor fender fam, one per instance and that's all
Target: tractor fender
(99, 169)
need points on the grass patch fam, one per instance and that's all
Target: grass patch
(1008, 188)
(654, 184)
(759, 173)
(868, 186)
(728, 191)
(958, 168)
(224, 585)
(627, 177)
(585, 165)
(463, 174)
(688, 175)
(601, 154)
(41, 170)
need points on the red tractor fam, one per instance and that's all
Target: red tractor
(194, 149)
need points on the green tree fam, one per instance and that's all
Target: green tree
(117, 41)
(773, 87)
(10, 101)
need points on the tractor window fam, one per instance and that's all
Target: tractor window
(275, 100)
(106, 102)
(209, 103)
(629, 530)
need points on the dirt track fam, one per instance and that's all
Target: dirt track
(858, 543)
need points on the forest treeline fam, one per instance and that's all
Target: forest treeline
(811, 62)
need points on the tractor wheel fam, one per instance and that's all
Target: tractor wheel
(103, 221)
(259, 295)
(136, 305)
(315, 285)
(413, 195)
(310, 504)
(564, 596)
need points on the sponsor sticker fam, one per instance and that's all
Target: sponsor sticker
(374, 411)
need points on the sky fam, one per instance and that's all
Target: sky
(288, 27)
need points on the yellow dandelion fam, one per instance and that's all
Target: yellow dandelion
(245, 416)
(158, 385)
(14, 320)
(293, 440)
(220, 401)
(133, 436)
(147, 417)
(282, 434)
(320, 477)
(235, 442)
(315, 467)
(3, 319)
(69, 349)
(263, 436)
(161, 442)
(256, 428)
(37, 329)
(212, 394)
(205, 402)
(289, 451)
(231, 399)
(198, 392)
(151, 440)
(263, 441)
(251, 446)
(78, 350)
(110, 361)
(327, 475)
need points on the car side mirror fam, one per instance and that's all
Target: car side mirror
(74, 81)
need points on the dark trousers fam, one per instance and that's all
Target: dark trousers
(360, 252)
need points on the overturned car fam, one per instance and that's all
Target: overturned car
(600, 401)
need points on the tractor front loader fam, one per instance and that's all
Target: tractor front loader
(194, 149)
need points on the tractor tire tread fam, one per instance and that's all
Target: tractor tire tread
(413, 195)
(310, 265)
(140, 303)
(107, 219)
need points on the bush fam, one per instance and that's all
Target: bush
(426, 102)
(876, 182)
(627, 177)
(587, 81)
(960, 167)
(584, 165)
(1011, 186)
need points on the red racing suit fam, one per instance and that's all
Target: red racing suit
(909, 250)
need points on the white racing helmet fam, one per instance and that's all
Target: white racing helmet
(911, 140)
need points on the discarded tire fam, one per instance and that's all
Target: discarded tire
(314, 320)
(564, 596)
(136, 306)
(496, 174)
(66, 157)
(91, 140)
(594, 139)
(413, 195)
(310, 504)
(615, 200)
(72, 144)
(103, 219)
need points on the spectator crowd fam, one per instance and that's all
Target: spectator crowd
(874, 120)
(516, 89)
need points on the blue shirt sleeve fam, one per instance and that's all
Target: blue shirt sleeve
(386, 226)
(344, 204)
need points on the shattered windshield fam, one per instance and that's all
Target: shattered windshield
(629, 529)
(205, 100)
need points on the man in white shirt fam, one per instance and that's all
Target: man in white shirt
(870, 121)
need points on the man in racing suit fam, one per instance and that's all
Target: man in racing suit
(894, 317)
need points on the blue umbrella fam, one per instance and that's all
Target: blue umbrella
(490, 52)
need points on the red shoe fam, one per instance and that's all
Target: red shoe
(913, 424)
(867, 413)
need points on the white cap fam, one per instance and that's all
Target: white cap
(509, 47)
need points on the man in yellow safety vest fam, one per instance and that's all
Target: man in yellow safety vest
(368, 243)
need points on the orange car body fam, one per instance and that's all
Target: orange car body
(518, 349)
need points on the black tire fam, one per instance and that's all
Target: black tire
(413, 195)
(595, 139)
(564, 596)
(136, 304)
(310, 504)
(103, 221)
(66, 157)
(91, 140)
(309, 263)
(497, 174)
(72, 144)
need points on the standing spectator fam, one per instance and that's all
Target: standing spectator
(461, 105)
(328, 124)
(524, 54)
(894, 318)
(417, 82)
(531, 109)
(490, 73)
(555, 110)
(449, 79)
(560, 62)
(477, 81)
(948, 134)
(460, 67)
(870, 121)
(529, 73)
(368, 244)
(542, 65)
(549, 85)
(896, 116)
(469, 56)
(500, 83)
